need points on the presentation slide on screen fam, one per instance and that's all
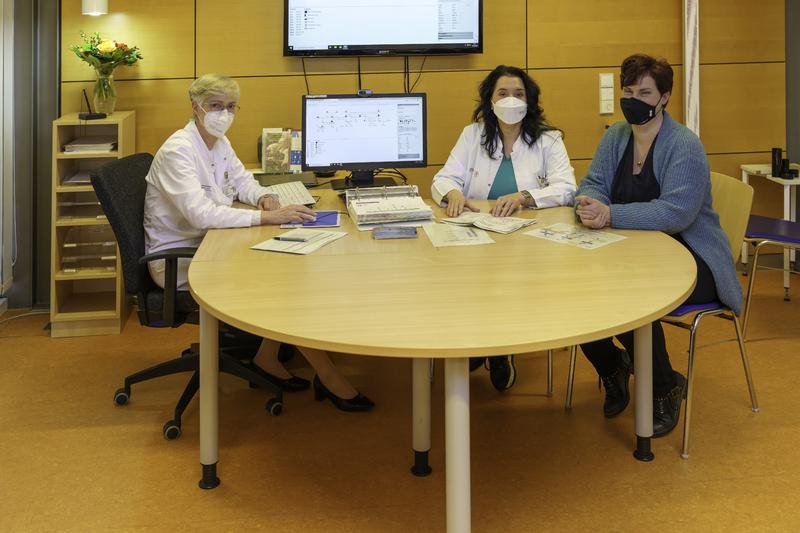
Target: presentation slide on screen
(331, 24)
(363, 130)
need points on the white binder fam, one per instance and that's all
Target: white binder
(378, 205)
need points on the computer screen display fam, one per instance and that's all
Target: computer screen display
(364, 133)
(382, 27)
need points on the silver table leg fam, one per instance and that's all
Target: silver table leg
(209, 399)
(421, 415)
(643, 362)
(457, 445)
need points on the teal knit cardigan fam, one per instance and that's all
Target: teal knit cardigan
(684, 206)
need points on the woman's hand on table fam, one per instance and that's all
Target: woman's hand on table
(507, 204)
(593, 213)
(288, 214)
(456, 203)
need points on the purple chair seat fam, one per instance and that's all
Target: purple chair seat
(696, 308)
(773, 229)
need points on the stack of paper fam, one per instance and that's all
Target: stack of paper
(299, 241)
(374, 210)
(96, 143)
(490, 222)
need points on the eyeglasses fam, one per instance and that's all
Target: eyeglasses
(233, 107)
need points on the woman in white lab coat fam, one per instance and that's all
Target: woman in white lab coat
(193, 181)
(509, 153)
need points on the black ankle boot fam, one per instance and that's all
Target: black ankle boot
(667, 409)
(616, 385)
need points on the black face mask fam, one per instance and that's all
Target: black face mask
(636, 111)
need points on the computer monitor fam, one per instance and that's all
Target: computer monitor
(382, 27)
(363, 134)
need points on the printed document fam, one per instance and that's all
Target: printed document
(581, 237)
(489, 222)
(299, 241)
(442, 235)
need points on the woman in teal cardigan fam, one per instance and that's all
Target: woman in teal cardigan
(651, 173)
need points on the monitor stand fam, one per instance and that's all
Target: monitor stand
(362, 178)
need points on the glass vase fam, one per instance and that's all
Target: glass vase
(105, 94)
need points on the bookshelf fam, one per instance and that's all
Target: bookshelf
(87, 295)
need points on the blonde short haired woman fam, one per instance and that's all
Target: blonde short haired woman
(192, 184)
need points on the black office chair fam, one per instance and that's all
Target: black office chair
(120, 187)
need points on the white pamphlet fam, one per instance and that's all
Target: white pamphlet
(581, 237)
(490, 222)
(451, 235)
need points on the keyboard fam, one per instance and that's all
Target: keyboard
(292, 193)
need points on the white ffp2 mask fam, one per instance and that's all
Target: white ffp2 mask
(510, 109)
(217, 123)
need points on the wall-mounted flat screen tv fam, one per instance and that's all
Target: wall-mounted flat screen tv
(382, 27)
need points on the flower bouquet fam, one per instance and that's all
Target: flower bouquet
(104, 56)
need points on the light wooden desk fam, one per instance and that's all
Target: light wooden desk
(405, 298)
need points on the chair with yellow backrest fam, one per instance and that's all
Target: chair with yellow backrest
(731, 199)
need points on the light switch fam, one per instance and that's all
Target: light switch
(606, 93)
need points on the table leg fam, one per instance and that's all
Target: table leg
(457, 446)
(787, 215)
(745, 179)
(209, 399)
(643, 362)
(421, 414)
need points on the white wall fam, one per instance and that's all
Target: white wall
(7, 138)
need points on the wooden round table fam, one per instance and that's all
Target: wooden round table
(405, 298)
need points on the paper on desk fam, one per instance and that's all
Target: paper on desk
(315, 239)
(588, 239)
(450, 235)
(490, 222)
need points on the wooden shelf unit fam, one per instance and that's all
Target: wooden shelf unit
(87, 294)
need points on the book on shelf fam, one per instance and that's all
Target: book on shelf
(281, 151)
(92, 143)
(80, 177)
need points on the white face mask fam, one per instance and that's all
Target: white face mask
(217, 122)
(510, 110)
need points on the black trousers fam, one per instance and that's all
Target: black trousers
(606, 357)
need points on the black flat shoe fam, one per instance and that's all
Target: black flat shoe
(359, 402)
(292, 384)
(667, 410)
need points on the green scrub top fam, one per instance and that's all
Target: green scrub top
(505, 182)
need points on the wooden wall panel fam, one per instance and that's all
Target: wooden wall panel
(593, 33)
(563, 44)
(742, 107)
(163, 31)
(162, 106)
(736, 31)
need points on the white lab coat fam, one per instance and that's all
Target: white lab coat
(190, 189)
(543, 169)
